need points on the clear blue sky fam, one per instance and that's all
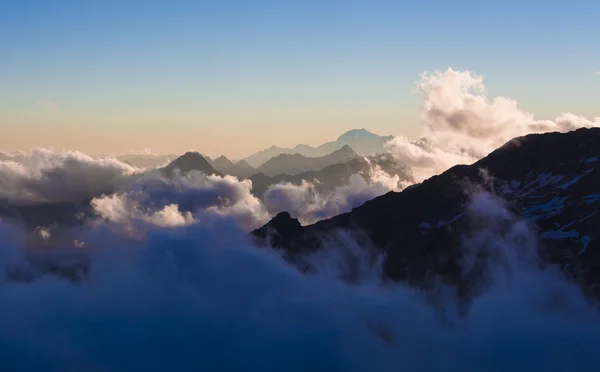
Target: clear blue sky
(108, 76)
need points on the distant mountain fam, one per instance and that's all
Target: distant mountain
(328, 179)
(420, 229)
(146, 160)
(360, 140)
(190, 161)
(241, 169)
(292, 164)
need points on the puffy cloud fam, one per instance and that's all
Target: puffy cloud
(183, 200)
(462, 124)
(48, 176)
(117, 208)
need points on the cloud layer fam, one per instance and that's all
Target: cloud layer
(206, 298)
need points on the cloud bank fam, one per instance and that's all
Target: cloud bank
(207, 299)
(47, 176)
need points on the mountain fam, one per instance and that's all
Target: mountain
(329, 178)
(188, 162)
(241, 169)
(420, 229)
(360, 140)
(146, 160)
(296, 163)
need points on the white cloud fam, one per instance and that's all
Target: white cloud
(182, 201)
(47, 176)
(462, 124)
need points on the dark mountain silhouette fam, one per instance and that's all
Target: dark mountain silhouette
(420, 229)
(241, 169)
(361, 141)
(328, 179)
(190, 161)
(295, 163)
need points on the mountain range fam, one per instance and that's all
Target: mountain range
(420, 229)
(240, 169)
(329, 178)
(361, 141)
(293, 164)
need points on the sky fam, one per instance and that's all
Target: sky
(233, 76)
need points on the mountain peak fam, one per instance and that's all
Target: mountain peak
(281, 228)
(222, 161)
(356, 134)
(188, 162)
(346, 149)
(243, 163)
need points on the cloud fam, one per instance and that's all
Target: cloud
(135, 198)
(48, 105)
(48, 176)
(461, 124)
(305, 203)
(597, 73)
(182, 201)
(202, 295)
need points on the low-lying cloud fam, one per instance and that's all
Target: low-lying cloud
(207, 299)
(47, 176)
